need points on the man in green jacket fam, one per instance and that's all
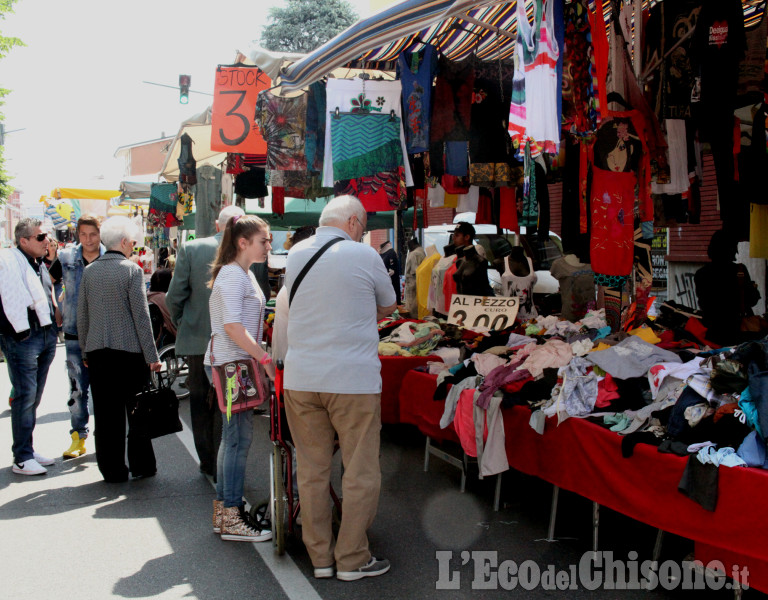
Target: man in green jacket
(187, 301)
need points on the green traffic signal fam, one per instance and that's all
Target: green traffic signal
(184, 81)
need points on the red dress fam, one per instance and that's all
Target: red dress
(612, 200)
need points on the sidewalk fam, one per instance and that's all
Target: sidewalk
(69, 535)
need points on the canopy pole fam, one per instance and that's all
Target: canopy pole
(485, 25)
(638, 38)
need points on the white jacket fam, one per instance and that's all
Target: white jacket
(21, 288)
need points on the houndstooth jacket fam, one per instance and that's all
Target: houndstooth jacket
(112, 310)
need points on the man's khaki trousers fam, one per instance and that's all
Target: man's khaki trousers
(315, 418)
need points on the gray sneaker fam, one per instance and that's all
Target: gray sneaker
(373, 568)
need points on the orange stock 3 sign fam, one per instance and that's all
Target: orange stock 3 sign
(233, 127)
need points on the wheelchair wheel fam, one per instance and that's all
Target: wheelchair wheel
(277, 499)
(173, 372)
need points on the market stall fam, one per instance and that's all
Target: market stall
(198, 128)
(649, 422)
(64, 206)
(586, 459)
(480, 107)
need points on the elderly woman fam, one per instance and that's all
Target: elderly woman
(115, 335)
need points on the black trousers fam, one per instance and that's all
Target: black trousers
(116, 378)
(205, 413)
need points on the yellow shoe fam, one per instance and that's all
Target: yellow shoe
(77, 448)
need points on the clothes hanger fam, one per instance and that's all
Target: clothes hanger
(453, 27)
(417, 39)
(336, 114)
(238, 65)
(323, 79)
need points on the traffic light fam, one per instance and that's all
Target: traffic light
(184, 81)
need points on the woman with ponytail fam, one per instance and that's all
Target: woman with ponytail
(237, 317)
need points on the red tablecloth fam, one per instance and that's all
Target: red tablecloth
(393, 370)
(586, 459)
(418, 408)
(757, 570)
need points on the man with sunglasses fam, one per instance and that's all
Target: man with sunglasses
(27, 336)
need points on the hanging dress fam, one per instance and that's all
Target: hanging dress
(283, 123)
(361, 97)
(620, 154)
(489, 148)
(416, 71)
(600, 52)
(541, 85)
(533, 114)
(524, 51)
(612, 200)
(579, 114)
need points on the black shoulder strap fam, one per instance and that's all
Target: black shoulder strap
(309, 265)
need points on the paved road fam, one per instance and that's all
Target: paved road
(69, 535)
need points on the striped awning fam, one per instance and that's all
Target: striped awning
(383, 36)
(457, 28)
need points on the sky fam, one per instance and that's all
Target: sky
(77, 92)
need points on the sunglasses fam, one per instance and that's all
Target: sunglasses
(40, 236)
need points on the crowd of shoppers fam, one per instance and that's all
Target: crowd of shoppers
(213, 306)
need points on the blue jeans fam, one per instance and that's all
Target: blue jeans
(236, 437)
(28, 363)
(79, 384)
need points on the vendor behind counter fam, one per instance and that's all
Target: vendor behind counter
(726, 294)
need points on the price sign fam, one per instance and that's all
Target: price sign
(483, 312)
(234, 107)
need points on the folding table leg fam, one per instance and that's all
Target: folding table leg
(657, 546)
(595, 525)
(553, 514)
(459, 463)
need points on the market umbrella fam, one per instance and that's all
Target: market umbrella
(136, 192)
(198, 128)
(83, 194)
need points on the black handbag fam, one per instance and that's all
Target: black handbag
(157, 411)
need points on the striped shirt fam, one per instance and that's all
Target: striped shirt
(236, 298)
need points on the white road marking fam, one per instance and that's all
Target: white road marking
(295, 585)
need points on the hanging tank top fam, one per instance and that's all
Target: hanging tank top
(522, 287)
(524, 52)
(541, 84)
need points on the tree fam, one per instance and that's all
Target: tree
(305, 25)
(6, 43)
